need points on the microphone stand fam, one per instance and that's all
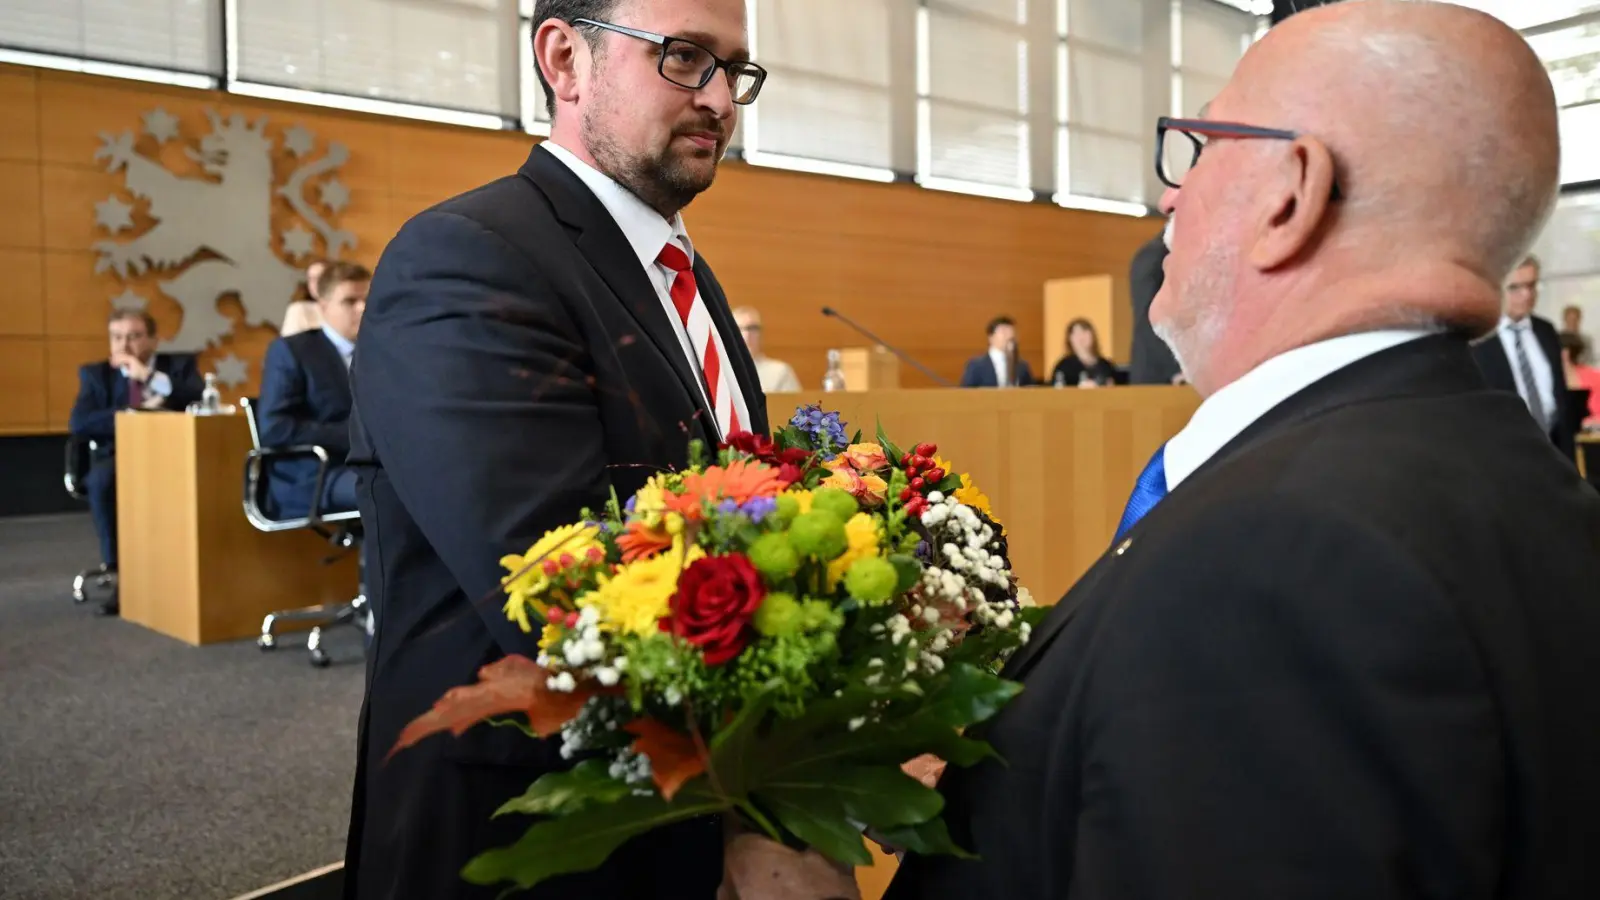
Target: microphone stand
(833, 313)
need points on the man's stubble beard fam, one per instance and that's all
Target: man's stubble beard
(663, 180)
(1207, 292)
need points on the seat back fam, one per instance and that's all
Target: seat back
(248, 404)
(79, 457)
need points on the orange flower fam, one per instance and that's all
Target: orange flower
(740, 481)
(866, 457)
(640, 541)
(869, 490)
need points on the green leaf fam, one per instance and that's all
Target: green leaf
(875, 796)
(967, 696)
(564, 793)
(909, 570)
(889, 449)
(927, 838)
(519, 724)
(582, 841)
(734, 747)
(828, 834)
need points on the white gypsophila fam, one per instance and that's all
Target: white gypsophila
(630, 766)
(599, 717)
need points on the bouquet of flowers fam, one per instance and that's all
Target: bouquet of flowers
(771, 634)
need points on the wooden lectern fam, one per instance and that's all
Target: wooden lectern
(869, 368)
(191, 566)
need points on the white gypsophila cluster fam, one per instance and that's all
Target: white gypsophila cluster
(599, 717)
(964, 542)
(630, 766)
(581, 646)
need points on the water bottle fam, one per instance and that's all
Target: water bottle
(1061, 379)
(834, 379)
(211, 397)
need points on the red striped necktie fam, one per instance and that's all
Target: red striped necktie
(696, 321)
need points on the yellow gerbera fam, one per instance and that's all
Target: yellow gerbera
(864, 539)
(636, 597)
(528, 578)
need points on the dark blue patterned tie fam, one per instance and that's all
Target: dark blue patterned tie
(1149, 490)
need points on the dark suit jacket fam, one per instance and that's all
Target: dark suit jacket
(516, 366)
(980, 372)
(305, 400)
(1490, 352)
(1352, 656)
(103, 392)
(1151, 360)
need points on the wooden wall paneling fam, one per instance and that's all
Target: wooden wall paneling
(20, 223)
(19, 98)
(22, 294)
(23, 367)
(434, 161)
(78, 300)
(64, 355)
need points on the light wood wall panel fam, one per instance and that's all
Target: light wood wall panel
(925, 269)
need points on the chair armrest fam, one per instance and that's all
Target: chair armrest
(255, 484)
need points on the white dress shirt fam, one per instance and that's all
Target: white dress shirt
(346, 348)
(158, 383)
(1543, 371)
(777, 376)
(998, 359)
(647, 233)
(1227, 413)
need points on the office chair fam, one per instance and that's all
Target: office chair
(342, 529)
(79, 457)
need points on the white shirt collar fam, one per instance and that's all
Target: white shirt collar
(1228, 412)
(644, 228)
(1506, 324)
(340, 343)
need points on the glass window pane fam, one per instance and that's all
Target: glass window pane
(972, 61)
(1005, 10)
(169, 34)
(1572, 56)
(1096, 165)
(1195, 91)
(1528, 13)
(1105, 91)
(1580, 144)
(444, 53)
(847, 39)
(801, 115)
(1112, 23)
(968, 145)
(1214, 37)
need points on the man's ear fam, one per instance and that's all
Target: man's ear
(1301, 207)
(560, 54)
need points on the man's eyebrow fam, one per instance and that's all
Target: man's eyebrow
(710, 42)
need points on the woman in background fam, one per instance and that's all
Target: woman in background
(1083, 366)
(302, 314)
(1580, 375)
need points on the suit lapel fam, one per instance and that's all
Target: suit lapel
(605, 247)
(739, 361)
(329, 366)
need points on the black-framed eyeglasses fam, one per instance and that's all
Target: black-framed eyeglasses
(687, 64)
(1179, 143)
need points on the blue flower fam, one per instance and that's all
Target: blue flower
(825, 429)
(628, 507)
(728, 508)
(758, 508)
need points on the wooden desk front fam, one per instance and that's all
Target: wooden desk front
(1058, 466)
(191, 566)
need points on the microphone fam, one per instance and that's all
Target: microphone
(830, 311)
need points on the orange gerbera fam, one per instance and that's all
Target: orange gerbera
(740, 481)
(640, 540)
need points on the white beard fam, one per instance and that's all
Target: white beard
(1208, 290)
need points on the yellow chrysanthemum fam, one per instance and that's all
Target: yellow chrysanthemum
(650, 501)
(528, 579)
(801, 497)
(549, 636)
(865, 539)
(636, 597)
(970, 495)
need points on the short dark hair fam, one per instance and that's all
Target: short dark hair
(337, 273)
(119, 315)
(566, 11)
(996, 322)
(1574, 344)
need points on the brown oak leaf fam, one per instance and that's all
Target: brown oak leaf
(674, 759)
(508, 685)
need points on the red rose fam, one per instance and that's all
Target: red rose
(716, 597)
(765, 451)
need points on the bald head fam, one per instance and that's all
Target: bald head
(1426, 163)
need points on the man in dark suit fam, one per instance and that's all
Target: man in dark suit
(1343, 643)
(994, 368)
(1523, 355)
(1151, 360)
(530, 347)
(305, 397)
(135, 377)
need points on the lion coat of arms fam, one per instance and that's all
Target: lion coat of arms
(213, 233)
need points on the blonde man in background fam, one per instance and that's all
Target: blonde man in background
(777, 376)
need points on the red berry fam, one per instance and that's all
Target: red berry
(906, 495)
(927, 449)
(550, 567)
(905, 460)
(918, 484)
(566, 560)
(572, 619)
(934, 475)
(918, 461)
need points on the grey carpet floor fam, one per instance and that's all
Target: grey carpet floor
(135, 766)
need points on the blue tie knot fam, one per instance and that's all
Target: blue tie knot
(1149, 490)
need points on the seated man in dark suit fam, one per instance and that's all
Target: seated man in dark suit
(1523, 356)
(305, 398)
(993, 368)
(135, 377)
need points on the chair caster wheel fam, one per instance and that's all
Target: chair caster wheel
(320, 659)
(267, 642)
